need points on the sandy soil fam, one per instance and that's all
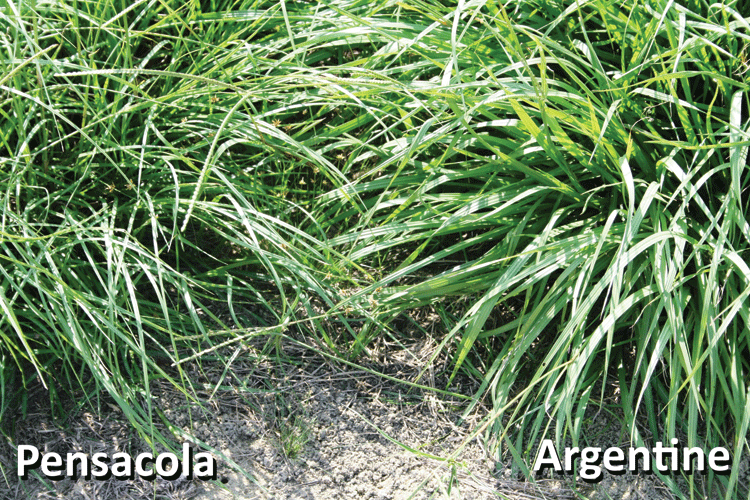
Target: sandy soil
(310, 430)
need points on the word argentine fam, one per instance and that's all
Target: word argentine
(614, 460)
(123, 466)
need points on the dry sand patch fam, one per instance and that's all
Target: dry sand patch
(310, 430)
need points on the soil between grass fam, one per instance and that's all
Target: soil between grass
(308, 430)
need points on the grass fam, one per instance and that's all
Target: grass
(579, 169)
(293, 436)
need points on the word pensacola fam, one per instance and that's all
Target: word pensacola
(615, 462)
(121, 465)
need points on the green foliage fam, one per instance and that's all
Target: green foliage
(582, 168)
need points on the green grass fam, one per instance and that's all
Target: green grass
(580, 170)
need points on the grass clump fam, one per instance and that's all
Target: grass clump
(122, 217)
(582, 169)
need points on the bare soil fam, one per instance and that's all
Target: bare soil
(309, 429)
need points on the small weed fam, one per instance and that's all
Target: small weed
(294, 433)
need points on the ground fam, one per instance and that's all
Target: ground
(312, 429)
